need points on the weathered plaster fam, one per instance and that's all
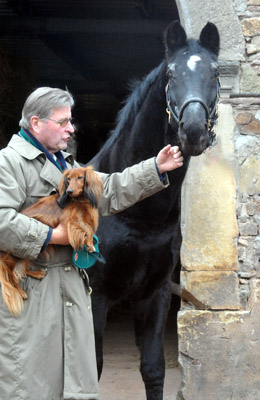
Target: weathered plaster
(209, 224)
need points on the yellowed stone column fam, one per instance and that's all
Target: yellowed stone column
(209, 226)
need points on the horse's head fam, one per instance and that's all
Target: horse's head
(193, 87)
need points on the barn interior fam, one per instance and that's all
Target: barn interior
(94, 48)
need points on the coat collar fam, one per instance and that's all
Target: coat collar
(22, 147)
(48, 172)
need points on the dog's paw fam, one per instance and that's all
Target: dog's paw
(90, 248)
(24, 296)
(40, 274)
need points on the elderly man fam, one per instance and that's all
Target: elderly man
(48, 352)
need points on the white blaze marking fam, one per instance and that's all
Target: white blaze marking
(192, 62)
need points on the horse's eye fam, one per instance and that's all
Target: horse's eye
(217, 73)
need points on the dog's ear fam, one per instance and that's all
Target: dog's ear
(93, 187)
(62, 195)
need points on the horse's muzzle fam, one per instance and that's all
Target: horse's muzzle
(193, 143)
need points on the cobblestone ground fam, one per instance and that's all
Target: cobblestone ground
(121, 379)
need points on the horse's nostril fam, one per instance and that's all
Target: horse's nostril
(203, 140)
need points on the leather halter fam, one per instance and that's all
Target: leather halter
(211, 115)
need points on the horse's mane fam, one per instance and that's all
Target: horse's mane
(139, 89)
(132, 103)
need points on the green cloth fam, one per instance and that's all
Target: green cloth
(83, 259)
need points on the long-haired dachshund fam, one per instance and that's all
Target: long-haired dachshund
(75, 204)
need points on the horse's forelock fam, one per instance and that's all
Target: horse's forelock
(195, 47)
(192, 47)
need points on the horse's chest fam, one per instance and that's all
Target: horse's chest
(138, 256)
(139, 261)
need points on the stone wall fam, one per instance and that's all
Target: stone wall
(247, 145)
(219, 324)
(250, 68)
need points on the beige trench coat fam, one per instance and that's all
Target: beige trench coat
(48, 352)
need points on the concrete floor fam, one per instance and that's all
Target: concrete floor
(121, 379)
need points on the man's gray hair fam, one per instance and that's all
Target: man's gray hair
(42, 101)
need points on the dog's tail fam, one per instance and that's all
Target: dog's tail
(11, 271)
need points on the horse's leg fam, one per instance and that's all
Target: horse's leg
(175, 250)
(99, 308)
(150, 320)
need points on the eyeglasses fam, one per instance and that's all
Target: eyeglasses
(63, 122)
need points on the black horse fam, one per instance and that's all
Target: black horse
(176, 104)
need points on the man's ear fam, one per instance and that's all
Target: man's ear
(35, 123)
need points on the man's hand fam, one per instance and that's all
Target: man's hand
(169, 158)
(59, 235)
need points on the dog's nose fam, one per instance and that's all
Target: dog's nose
(69, 191)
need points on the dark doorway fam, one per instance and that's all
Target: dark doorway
(92, 47)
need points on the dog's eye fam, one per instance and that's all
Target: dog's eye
(80, 177)
(68, 179)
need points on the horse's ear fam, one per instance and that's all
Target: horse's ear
(209, 38)
(174, 37)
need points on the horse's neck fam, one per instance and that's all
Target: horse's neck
(141, 133)
(150, 125)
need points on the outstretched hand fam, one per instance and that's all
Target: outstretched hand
(169, 158)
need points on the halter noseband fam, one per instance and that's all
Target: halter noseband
(210, 114)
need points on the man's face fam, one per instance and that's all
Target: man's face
(51, 134)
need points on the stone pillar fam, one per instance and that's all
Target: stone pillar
(218, 323)
(194, 14)
(210, 312)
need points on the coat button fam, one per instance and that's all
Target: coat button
(69, 304)
(32, 234)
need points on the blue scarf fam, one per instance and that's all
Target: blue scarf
(60, 162)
